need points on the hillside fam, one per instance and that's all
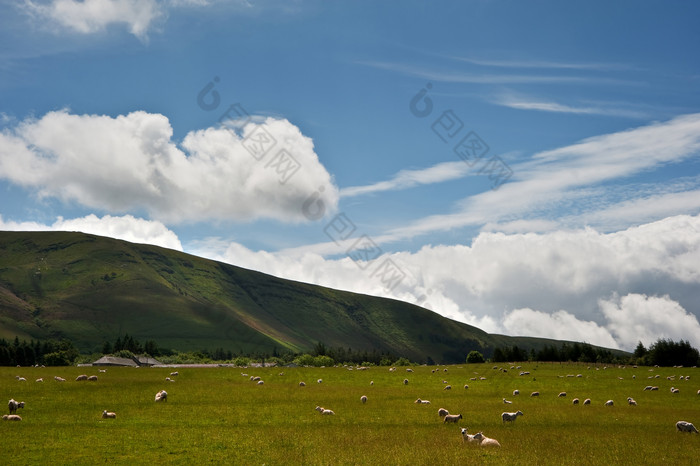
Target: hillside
(91, 289)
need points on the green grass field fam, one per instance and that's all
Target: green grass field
(215, 415)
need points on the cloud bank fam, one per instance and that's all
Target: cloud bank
(131, 164)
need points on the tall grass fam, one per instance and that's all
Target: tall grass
(216, 415)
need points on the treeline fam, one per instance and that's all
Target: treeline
(662, 353)
(31, 353)
(129, 343)
(667, 353)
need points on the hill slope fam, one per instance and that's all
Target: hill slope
(92, 289)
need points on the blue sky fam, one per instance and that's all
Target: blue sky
(527, 167)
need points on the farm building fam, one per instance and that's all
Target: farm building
(136, 361)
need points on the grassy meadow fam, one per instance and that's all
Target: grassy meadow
(216, 415)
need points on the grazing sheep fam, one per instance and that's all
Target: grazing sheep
(648, 387)
(409, 370)
(609, 403)
(363, 399)
(21, 379)
(81, 377)
(682, 426)
(562, 394)
(371, 382)
(162, 396)
(302, 384)
(574, 401)
(11, 417)
(319, 381)
(516, 392)
(452, 418)
(256, 379)
(324, 411)
(507, 402)
(653, 389)
(587, 401)
(466, 387)
(103, 370)
(59, 379)
(535, 394)
(405, 381)
(631, 401)
(675, 390)
(466, 438)
(442, 412)
(92, 378)
(510, 417)
(486, 441)
(13, 405)
(108, 415)
(261, 382)
(448, 387)
(40, 379)
(422, 402)
(173, 374)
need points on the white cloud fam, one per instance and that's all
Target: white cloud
(409, 178)
(637, 317)
(130, 163)
(525, 284)
(523, 103)
(91, 16)
(128, 228)
(559, 325)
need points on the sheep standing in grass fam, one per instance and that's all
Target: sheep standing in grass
(422, 402)
(535, 394)
(631, 401)
(486, 441)
(162, 396)
(452, 418)
(516, 392)
(405, 381)
(11, 417)
(587, 401)
(466, 438)
(81, 377)
(59, 379)
(324, 411)
(574, 401)
(13, 405)
(507, 402)
(510, 417)
(40, 379)
(363, 399)
(302, 384)
(609, 403)
(92, 378)
(562, 394)
(684, 426)
(108, 415)
(442, 412)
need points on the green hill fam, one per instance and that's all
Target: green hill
(91, 289)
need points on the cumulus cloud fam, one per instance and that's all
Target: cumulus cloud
(91, 16)
(554, 284)
(130, 163)
(128, 228)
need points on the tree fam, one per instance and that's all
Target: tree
(640, 351)
(475, 357)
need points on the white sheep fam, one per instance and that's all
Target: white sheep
(173, 374)
(466, 438)
(631, 401)
(422, 402)
(319, 381)
(466, 387)
(108, 415)
(162, 396)
(363, 399)
(507, 402)
(11, 417)
(59, 379)
(92, 378)
(609, 403)
(371, 382)
(648, 387)
(510, 417)
(442, 412)
(405, 381)
(21, 379)
(40, 379)
(409, 370)
(486, 441)
(81, 377)
(448, 387)
(587, 401)
(13, 405)
(575, 401)
(535, 394)
(561, 394)
(684, 426)
(516, 392)
(452, 418)
(302, 384)
(261, 382)
(324, 411)
(674, 390)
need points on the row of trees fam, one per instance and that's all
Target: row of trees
(667, 353)
(30, 353)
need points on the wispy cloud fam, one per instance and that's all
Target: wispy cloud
(530, 103)
(543, 64)
(451, 76)
(409, 178)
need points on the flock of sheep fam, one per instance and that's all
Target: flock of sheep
(13, 405)
(478, 438)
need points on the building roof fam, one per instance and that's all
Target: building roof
(114, 361)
